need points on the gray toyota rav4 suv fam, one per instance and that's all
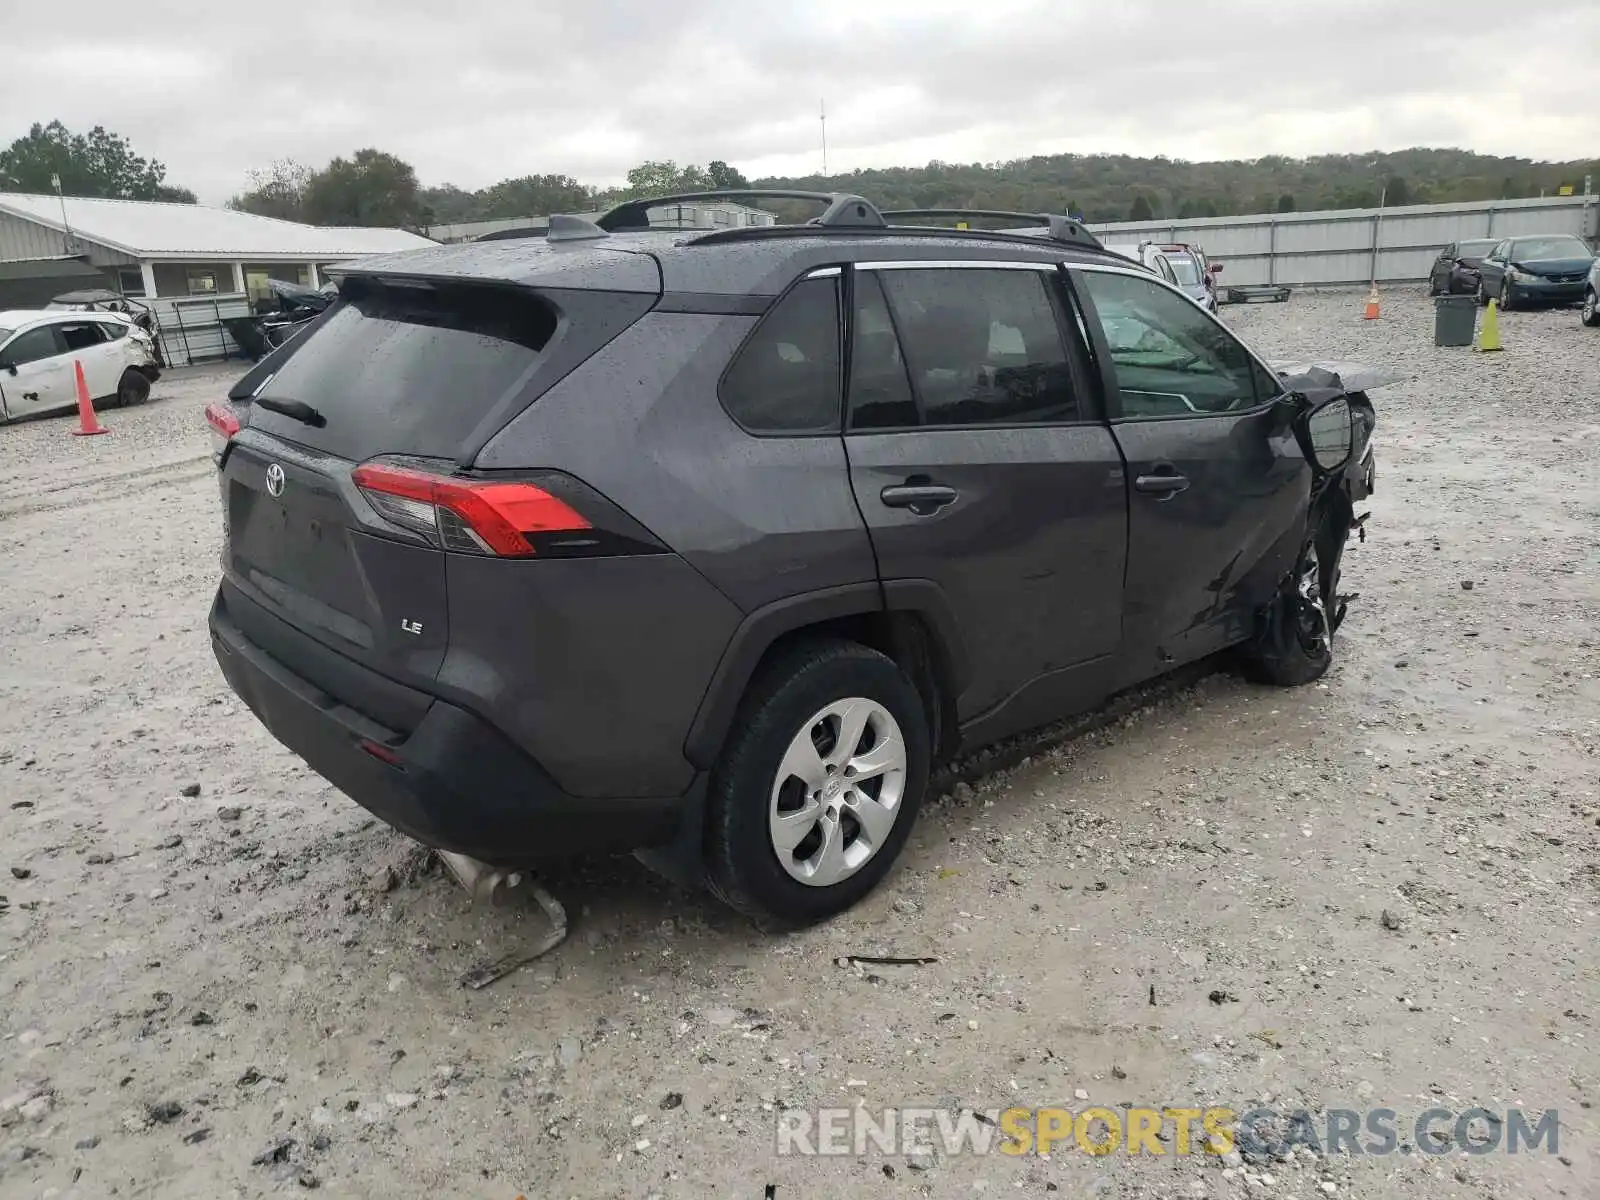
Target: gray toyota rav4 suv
(711, 545)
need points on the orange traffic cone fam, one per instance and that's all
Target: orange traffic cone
(88, 423)
(1372, 305)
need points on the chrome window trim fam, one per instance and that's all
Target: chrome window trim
(969, 264)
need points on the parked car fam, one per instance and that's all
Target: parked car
(1181, 264)
(1591, 296)
(39, 347)
(556, 545)
(1455, 271)
(1535, 270)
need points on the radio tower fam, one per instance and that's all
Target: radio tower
(824, 114)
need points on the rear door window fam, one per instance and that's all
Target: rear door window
(880, 389)
(82, 337)
(408, 370)
(785, 379)
(982, 346)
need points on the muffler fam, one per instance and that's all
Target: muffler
(485, 884)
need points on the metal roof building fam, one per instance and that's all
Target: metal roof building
(693, 214)
(148, 249)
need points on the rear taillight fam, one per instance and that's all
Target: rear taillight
(544, 514)
(224, 424)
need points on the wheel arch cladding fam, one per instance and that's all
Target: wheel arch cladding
(916, 628)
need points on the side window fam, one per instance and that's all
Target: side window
(1500, 251)
(113, 331)
(32, 346)
(880, 390)
(1165, 268)
(785, 378)
(1170, 358)
(81, 337)
(983, 347)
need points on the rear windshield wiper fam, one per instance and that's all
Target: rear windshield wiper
(297, 410)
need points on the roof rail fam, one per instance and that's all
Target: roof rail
(1060, 228)
(843, 210)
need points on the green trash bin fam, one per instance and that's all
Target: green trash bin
(1454, 320)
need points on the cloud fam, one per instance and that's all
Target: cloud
(471, 92)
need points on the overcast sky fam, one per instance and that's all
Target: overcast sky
(470, 92)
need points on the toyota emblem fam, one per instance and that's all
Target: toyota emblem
(275, 480)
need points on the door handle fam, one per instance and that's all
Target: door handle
(1166, 483)
(924, 499)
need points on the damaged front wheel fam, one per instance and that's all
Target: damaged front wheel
(1294, 644)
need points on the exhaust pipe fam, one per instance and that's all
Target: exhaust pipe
(485, 884)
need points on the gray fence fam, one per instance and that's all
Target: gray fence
(1356, 245)
(192, 327)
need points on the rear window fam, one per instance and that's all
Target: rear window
(411, 370)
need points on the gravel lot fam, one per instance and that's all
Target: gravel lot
(219, 978)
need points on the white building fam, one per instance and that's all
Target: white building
(148, 249)
(694, 214)
(195, 267)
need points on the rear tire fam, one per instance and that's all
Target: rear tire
(134, 388)
(787, 849)
(1590, 315)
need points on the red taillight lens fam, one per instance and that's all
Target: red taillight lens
(472, 516)
(224, 424)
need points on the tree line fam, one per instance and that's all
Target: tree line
(375, 187)
(97, 163)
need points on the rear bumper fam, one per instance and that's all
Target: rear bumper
(453, 783)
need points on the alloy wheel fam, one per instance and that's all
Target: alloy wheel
(837, 793)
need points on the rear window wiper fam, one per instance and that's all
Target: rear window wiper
(296, 410)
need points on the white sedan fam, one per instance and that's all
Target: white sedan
(38, 349)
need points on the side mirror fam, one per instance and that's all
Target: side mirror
(1327, 434)
(8, 366)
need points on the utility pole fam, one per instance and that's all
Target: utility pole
(66, 226)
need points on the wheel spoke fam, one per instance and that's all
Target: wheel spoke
(803, 763)
(830, 865)
(876, 820)
(790, 829)
(852, 724)
(888, 755)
